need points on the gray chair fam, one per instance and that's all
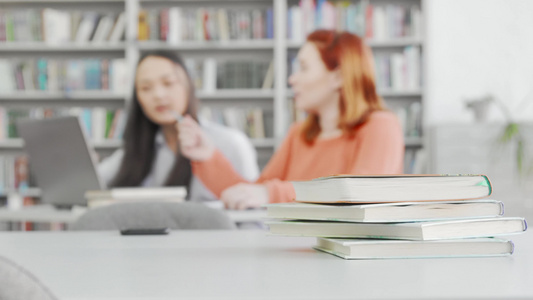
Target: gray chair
(187, 215)
(17, 283)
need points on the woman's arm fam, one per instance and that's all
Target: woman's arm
(218, 174)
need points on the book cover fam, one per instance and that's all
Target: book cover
(396, 249)
(387, 212)
(420, 231)
(392, 188)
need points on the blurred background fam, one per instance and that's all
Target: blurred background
(458, 73)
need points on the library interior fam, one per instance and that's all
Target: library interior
(313, 149)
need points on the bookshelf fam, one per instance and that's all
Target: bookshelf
(273, 44)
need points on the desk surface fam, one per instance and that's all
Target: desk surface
(251, 265)
(47, 213)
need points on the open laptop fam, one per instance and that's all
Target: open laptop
(60, 159)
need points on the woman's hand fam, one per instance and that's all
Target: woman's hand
(245, 195)
(195, 145)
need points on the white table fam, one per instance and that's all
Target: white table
(251, 265)
(49, 214)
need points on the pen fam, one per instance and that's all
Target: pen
(177, 116)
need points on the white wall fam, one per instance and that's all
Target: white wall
(476, 47)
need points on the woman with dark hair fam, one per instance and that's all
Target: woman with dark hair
(348, 129)
(151, 155)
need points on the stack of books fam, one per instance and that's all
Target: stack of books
(406, 216)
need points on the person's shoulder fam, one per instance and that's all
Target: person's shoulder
(382, 116)
(295, 128)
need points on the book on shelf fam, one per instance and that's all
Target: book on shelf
(176, 24)
(98, 123)
(64, 75)
(421, 231)
(390, 249)
(386, 212)
(367, 20)
(399, 71)
(119, 28)
(135, 194)
(57, 27)
(392, 188)
(254, 122)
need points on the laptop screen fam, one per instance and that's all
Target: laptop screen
(60, 159)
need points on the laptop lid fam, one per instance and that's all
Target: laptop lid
(59, 159)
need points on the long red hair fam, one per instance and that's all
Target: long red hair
(358, 96)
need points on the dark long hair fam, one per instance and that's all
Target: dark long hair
(139, 138)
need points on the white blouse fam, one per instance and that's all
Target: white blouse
(232, 143)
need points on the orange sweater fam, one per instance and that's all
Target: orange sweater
(376, 148)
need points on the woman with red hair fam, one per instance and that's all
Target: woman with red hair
(348, 129)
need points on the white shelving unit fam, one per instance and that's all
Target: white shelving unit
(275, 100)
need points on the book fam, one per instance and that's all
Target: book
(117, 32)
(392, 188)
(421, 231)
(97, 198)
(381, 249)
(137, 193)
(386, 212)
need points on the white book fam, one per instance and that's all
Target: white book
(397, 71)
(119, 76)
(138, 193)
(394, 249)
(297, 30)
(96, 198)
(412, 59)
(223, 25)
(210, 75)
(103, 29)
(175, 24)
(259, 125)
(56, 26)
(387, 212)
(379, 23)
(7, 84)
(118, 29)
(268, 81)
(98, 119)
(86, 27)
(416, 22)
(418, 231)
(392, 188)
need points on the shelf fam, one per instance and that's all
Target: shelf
(17, 143)
(44, 47)
(58, 1)
(208, 45)
(385, 93)
(75, 95)
(264, 143)
(399, 42)
(230, 94)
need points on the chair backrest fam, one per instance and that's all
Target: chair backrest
(18, 283)
(187, 215)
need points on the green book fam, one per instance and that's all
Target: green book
(390, 249)
(392, 188)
